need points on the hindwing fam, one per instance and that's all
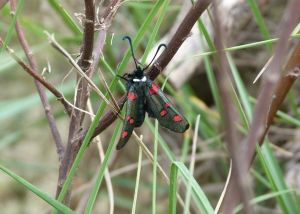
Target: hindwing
(133, 100)
(160, 107)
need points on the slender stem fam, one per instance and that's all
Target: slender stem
(41, 90)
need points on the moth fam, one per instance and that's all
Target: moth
(143, 95)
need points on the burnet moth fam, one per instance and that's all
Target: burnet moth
(143, 95)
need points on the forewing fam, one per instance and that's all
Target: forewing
(160, 107)
(140, 104)
(130, 118)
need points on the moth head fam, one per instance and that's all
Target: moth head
(139, 72)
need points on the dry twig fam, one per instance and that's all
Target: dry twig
(274, 90)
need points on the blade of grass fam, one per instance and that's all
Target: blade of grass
(54, 203)
(101, 171)
(11, 27)
(154, 170)
(80, 154)
(263, 198)
(155, 30)
(212, 82)
(173, 189)
(65, 16)
(192, 166)
(260, 22)
(201, 200)
(137, 182)
(161, 141)
(266, 158)
(287, 201)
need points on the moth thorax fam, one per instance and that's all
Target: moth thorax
(143, 79)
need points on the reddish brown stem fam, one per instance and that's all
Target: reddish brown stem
(272, 86)
(39, 78)
(81, 96)
(230, 117)
(33, 65)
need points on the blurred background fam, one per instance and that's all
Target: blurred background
(26, 144)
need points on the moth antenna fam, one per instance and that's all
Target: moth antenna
(131, 47)
(159, 47)
(122, 77)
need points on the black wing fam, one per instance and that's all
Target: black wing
(160, 107)
(130, 118)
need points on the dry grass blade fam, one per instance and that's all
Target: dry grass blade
(58, 47)
(271, 78)
(39, 78)
(220, 201)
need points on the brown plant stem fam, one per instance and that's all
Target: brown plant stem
(272, 85)
(230, 116)
(292, 72)
(41, 90)
(74, 141)
(82, 95)
(38, 77)
(3, 3)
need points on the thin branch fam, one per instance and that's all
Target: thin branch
(38, 77)
(81, 73)
(3, 3)
(230, 117)
(88, 35)
(74, 141)
(284, 85)
(41, 90)
(274, 89)
(271, 78)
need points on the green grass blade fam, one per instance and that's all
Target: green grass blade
(168, 152)
(260, 22)
(54, 203)
(80, 154)
(173, 189)
(154, 170)
(11, 27)
(66, 17)
(201, 200)
(101, 171)
(287, 201)
(263, 198)
(155, 30)
(241, 90)
(212, 83)
(145, 26)
(137, 180)
(191, 168)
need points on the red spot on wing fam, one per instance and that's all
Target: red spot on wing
(124, 134)
(167, 105)
(153, 89)
(130, 120)
(177, 118)
(163, 112)
(131, 96)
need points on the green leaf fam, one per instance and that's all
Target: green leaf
(198, 195)
(56, 204)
